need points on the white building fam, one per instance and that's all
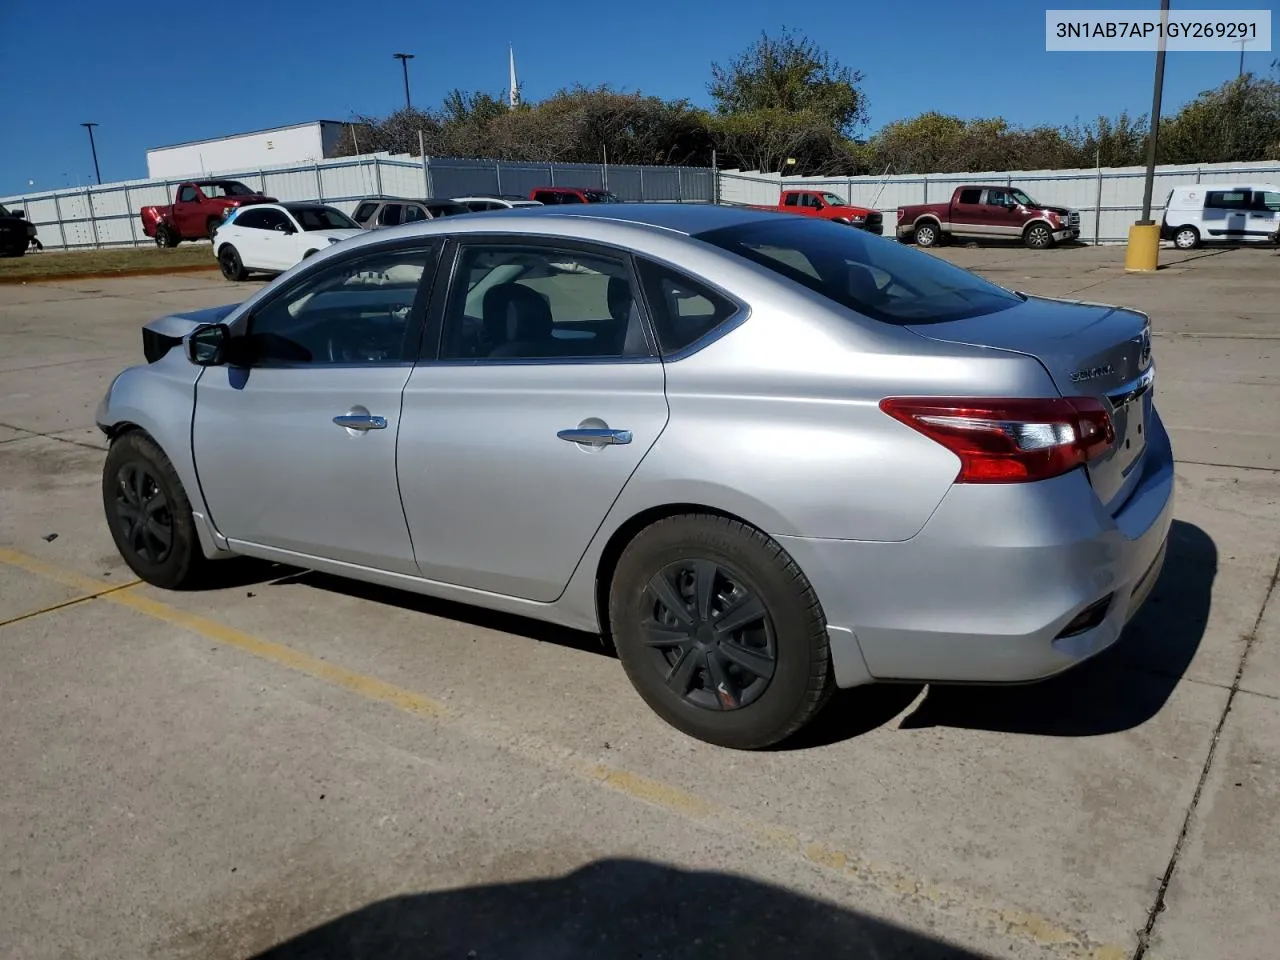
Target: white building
(317, 140)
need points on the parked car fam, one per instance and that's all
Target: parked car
(828, 206)
(197, 211)
(1193, 214)
(765, 456)
(273, 237)
(376, 212)
(554, 195)
(504, 202)
(16, 232)
(988, 213)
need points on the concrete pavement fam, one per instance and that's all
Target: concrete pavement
(292, 765)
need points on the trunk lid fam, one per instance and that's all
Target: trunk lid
(1092, 350)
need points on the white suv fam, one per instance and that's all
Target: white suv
(272, 237)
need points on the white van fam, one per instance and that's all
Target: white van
(1212, 211)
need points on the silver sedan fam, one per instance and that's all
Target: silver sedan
(764, 456)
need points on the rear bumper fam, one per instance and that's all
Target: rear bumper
(983, 593)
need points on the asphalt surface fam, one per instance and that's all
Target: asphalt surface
(294, 766)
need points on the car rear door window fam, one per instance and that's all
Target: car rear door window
(365, 211)
(683, 309)
(971, 195)
(414, 213)
(359, 310)
(511, 302)
(1227, 199)
(390, 215)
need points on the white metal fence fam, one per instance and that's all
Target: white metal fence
(108, 215)
(1109, 199)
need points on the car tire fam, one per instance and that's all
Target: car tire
(748, 688)
(13, 252)
(211, 226)
(928, 234)
(231, 264)
(1038, 236)
(1186, 238)
(145, 505)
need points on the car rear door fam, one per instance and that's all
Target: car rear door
(534, 403)
(296, 450)
(967, 214)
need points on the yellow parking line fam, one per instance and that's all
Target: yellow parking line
(884, 878)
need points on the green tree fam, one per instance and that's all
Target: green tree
(790, 73)
(1238, 121)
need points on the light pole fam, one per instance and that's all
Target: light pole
(404, 59)
(1143, 252)
(1242, 41)
(93, 148)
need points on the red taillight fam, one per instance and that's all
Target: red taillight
(1010, 441)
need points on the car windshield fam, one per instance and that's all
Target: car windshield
(322, 218)
(225, 188)
(1023, 198)
(875, 277)
(831, 200)
(600, 196)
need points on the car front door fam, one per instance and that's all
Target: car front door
(1000, 217)
(188, 212)
(538, 398)
(278, 240)
(295, 445)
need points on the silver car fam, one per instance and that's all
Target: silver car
(765, 456)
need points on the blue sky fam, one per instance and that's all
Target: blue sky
(152, 73)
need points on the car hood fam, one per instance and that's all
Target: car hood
(1060, 211)
(851, 211)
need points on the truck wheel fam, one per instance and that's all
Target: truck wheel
(231, 264)
(211, 226)
(928, 235)
(1187, 238)
(1038, 236)
(165, 238)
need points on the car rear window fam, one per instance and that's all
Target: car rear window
(875, 277)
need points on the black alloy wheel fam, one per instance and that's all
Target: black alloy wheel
(709, 634)
(143, 513)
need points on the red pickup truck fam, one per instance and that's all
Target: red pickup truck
(983, 212)
(828, 206)
(198, 208)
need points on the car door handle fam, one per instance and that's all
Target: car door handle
(361, 421)
(595, 435)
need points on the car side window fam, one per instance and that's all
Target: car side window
(390, 215)
(998, 198)
(364, 212)
(1266, 200)
(357, 311)
(571, 198)
(791, 200)
(511, 302)
(683, 309)
(187, 195)
(414, 213)
(252, 219)
(1226, 200)
(970, 196)
(544, 196)
(274, 219)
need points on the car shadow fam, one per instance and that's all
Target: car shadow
(615, 908)
(1119, 689)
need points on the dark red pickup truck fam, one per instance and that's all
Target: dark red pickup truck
(828, 206)
(991, 213)
(198, 208)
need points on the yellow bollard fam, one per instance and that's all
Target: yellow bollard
(1142, 255)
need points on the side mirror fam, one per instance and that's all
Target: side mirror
(20, 214)
(207, 345)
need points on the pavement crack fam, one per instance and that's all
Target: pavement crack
(1157, 907)
(29, 434)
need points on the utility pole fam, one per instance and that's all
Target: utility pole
(93, 147)
(404, 59)
(1242, 41)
